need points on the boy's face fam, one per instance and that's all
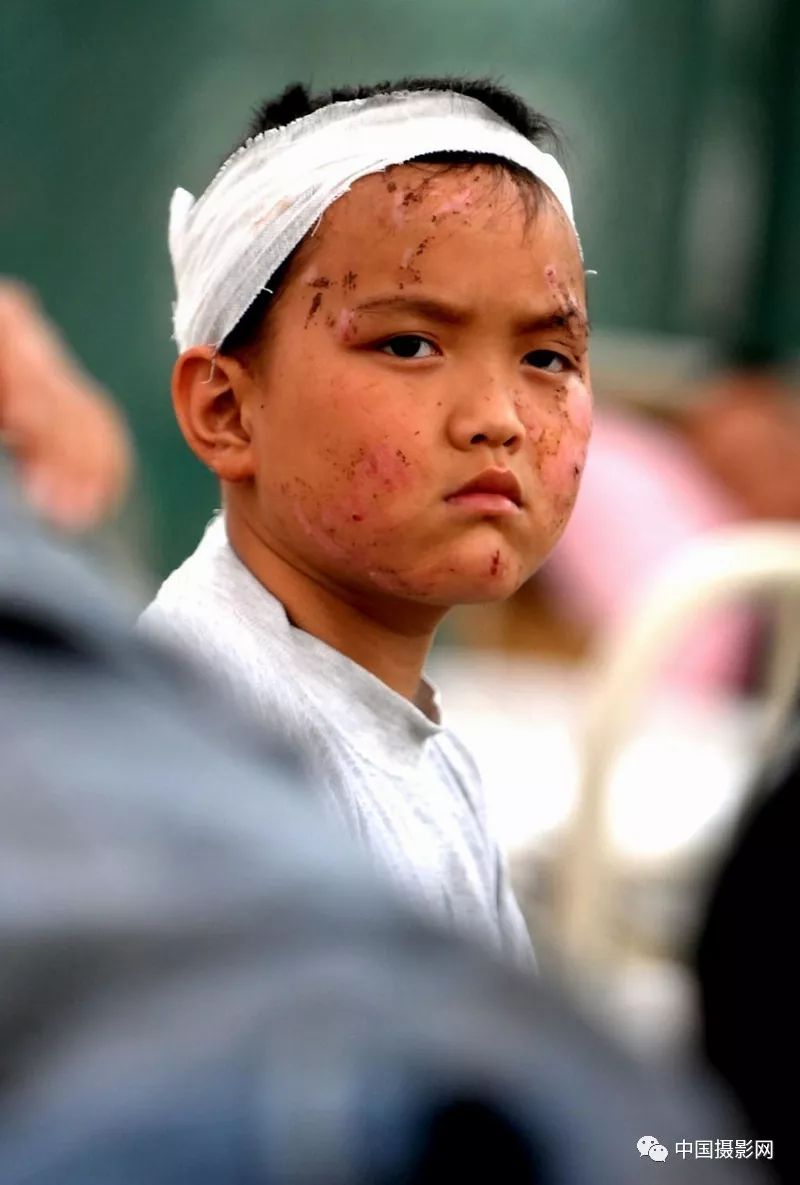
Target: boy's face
(428, 332)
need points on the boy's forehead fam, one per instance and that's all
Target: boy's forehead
(439, 211)
(417, 195)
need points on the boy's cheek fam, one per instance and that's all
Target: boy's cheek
(578, 407)
(370, 485)
(348, 498)
(380, 468)
(558, 436)
(561, 466)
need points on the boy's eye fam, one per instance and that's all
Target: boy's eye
(407, 346)
(548, 360)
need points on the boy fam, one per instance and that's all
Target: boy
(381, 319)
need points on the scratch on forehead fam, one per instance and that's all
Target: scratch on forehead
(345, 324)
(458, 202)
(570, 305)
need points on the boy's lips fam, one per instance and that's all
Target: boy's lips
(495, 490)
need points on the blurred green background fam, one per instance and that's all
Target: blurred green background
(681, 120)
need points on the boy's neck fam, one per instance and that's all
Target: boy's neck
(388, 637)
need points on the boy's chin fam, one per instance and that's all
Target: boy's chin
(486, 574)
(477, 592)
(465, 576)
(493, 582)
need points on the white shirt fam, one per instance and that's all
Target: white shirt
(404, 785)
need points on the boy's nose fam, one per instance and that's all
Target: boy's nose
(488, 415)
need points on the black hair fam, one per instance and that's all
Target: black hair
(295, 102)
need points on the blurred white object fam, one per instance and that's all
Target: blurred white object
(645, 495)
(725, 566)
(523, 721)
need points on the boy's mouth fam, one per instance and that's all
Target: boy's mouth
(495, 490)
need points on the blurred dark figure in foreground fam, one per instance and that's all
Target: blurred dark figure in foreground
(201, 981)
(745, 956)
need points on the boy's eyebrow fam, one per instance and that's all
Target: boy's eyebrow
(447, 314)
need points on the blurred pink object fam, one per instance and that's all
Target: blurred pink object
(643, 496)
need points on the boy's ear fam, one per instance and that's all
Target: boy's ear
(209, 394)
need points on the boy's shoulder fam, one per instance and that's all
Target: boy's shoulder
(213, 610)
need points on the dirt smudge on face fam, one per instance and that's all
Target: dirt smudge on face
(382, 469)
(313, 308)
(406, 200)
(412, 196)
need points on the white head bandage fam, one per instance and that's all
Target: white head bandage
(271, 192)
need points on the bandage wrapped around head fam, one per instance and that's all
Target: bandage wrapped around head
(271, 192)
